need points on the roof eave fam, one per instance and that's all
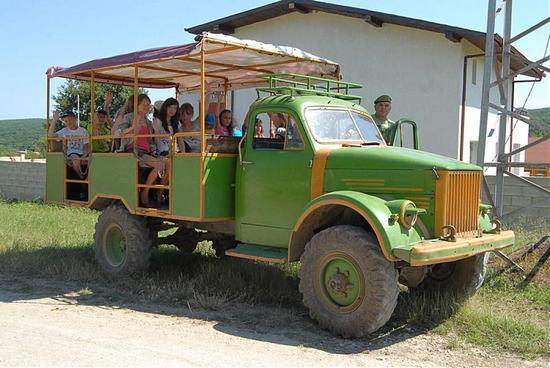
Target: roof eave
(377, 19)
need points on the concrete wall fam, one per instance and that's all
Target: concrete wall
(518, 194)
(22, 180)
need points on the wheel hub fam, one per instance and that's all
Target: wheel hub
(115, 244)
(341, 280)
(339, 283)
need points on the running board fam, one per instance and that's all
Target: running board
(258, 253)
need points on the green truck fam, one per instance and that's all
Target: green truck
(323, 189)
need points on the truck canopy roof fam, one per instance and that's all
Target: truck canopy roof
(228, 63)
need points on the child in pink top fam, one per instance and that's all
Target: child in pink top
(224, 124)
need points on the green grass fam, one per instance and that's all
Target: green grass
(51, 242)
(502, 315)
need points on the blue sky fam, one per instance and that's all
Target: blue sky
(37, 34)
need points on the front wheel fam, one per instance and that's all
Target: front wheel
(122, 242)
(463, 277)
(347, 283)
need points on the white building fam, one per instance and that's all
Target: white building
(422, 65)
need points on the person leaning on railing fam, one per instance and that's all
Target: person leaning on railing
(145, 145)
(166, 122)
(77, 147)
(127, 108)
(382, 108)
(188, 125)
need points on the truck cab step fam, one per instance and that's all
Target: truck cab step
(258, 253)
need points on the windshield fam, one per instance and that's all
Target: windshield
(331, 125)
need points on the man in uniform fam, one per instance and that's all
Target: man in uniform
(382, 107)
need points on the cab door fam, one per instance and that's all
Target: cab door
(273, 179)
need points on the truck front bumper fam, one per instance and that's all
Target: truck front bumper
(438, 251)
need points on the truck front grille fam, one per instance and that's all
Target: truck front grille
(457, 196)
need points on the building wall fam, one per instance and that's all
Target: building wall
(22, 180)
(539, 152)
(518, 194)
(474, 85)
(421, 70)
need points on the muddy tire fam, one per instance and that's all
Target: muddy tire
(223, 244)
(185, 240)
(463, 277)
(122, 242)
(347, 284)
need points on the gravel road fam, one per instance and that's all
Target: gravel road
(43, 323)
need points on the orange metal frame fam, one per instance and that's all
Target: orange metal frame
(96, 75)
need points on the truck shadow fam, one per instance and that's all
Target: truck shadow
(260, 312)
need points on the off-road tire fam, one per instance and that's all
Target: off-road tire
(133, 258)
(186, 240)
(379, 279)
(463, 277)
(222, 244)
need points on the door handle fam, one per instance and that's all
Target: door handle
(246, 162)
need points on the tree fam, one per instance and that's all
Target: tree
(540, 122)
(66, 97)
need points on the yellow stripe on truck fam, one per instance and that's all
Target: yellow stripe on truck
(318, 172)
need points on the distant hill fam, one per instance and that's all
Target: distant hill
(19, 134)
(541, 119)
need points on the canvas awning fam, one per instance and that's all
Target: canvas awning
(229, 63)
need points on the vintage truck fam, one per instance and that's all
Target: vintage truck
(322, 187)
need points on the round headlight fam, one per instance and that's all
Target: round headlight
(408, 218)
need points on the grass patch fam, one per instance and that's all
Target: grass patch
(46, 240)
(40, 240)
(502, 315)
(479, 322)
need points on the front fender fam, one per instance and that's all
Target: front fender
(390, 234)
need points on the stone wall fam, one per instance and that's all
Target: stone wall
(518, 194)
(23, 180)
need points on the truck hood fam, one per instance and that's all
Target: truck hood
(392, 158)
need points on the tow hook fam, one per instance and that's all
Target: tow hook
(451, 235)
(496, 229)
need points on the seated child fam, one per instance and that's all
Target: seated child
(77, 141)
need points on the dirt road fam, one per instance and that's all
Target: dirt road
(48, 324)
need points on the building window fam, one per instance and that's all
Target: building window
(473, 152)
(516, 158)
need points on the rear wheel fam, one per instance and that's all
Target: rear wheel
(463, 277)
(347, 284)
(122, 242)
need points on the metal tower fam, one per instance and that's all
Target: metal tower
(505, 79)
